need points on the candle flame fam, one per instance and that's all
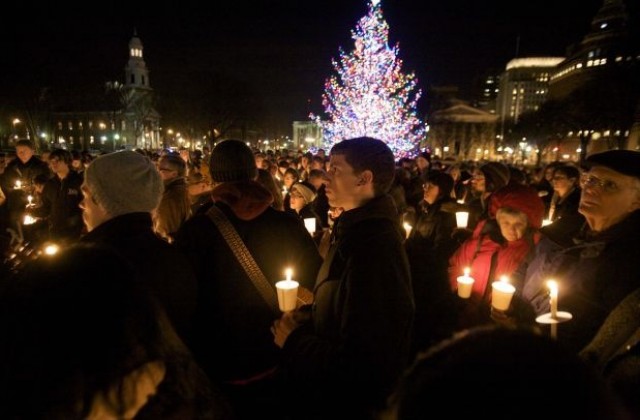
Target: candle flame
(504, 279)
(466, 271)
(289, 273)
(553, 287)
(51, 249)
(407, 225)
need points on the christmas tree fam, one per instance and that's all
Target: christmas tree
(369, 95)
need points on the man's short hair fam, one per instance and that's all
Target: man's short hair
(367, 153)
(62, 155)
(317, 173)
(25, 142)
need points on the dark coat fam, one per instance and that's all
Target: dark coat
(429, 247)
(162, 269)
(61, 205)
(321, 206)
(349, 357)
(594, 274)
(233, 340)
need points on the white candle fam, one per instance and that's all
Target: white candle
(310, 224)
(407, 228)
(462, 219)
(502, 292)
(28, 220)
(30, 199)
(553, 298)
(465, 284)
(18, 185)
(287, 292)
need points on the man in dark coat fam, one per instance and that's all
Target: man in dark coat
(232, 339)
(61, 197)
(17, 182)
(120, 190)
(347, 357)
(597, 266)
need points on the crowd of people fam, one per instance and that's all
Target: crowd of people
(160, 301)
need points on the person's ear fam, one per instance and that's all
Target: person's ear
(366, 177)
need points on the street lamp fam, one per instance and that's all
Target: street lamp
(14, 123)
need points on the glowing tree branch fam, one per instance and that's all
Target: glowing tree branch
(369, 95)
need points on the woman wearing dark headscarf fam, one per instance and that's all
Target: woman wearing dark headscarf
(429, 247)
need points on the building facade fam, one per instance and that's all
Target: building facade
(124, 118)
(463, 132)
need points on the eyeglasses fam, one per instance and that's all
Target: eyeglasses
(604, 185)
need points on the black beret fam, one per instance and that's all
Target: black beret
(626, 162)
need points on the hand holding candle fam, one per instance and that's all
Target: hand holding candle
(502, 293)
(465, 284)
(287, 292)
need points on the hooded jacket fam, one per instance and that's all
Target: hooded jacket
(233, 340)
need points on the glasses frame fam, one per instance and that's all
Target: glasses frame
(604, 185)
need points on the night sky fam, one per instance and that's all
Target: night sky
(276, 53)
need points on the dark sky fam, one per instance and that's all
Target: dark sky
(279, 51)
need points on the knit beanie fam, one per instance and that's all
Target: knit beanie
(496, 175)
(518, 197)
(306, 190)
(232, 160)
(124, 182)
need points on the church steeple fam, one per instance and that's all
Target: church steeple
(136, 72)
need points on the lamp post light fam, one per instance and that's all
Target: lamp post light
(14, 123)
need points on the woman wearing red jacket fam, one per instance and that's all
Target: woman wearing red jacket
(498, 246)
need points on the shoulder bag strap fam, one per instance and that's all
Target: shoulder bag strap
(245, 258)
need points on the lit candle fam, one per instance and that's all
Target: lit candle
(30, 199)
(546, 222)
(502, 292)
(287, 292)
(28, 219)
(310, 224)
(465, 284)
(18, 185)
(462, 219)
(553, 298)
(51, 249)
(407, 228)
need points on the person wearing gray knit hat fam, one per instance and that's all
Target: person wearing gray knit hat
(121, 190)
(232, 160)
(120, 183)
